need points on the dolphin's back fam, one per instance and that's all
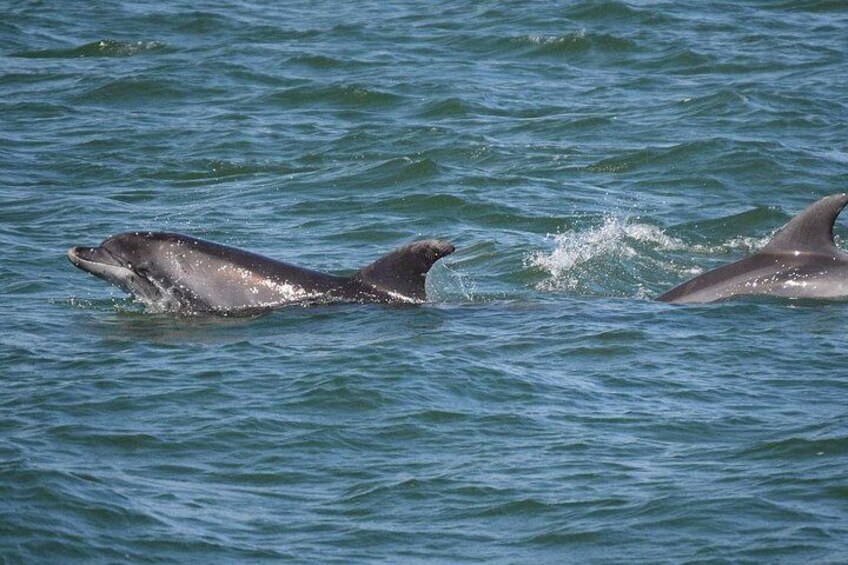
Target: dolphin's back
(752, 275)
(207, 276)
(800, 261)
(203, 276)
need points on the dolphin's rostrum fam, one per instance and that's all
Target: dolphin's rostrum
(801, 261)
(177, 273)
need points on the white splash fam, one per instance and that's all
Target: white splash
(620, 250)
(455, 284)
(557, 39)
(614, 239)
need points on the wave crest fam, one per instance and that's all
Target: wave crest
(102, 48)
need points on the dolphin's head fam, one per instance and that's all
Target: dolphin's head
(126, 260)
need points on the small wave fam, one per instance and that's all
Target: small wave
(798, 447)
(616, 12)
(102, 48)
(344, 95)
(220, 169)
(670, 157)
(722, 103)
(572, 44)
(682, 62)
(447, 108)
(813, 6)
(133, 89)
(325, 62)
(405, 169)
(317, 61)
(427, 203)
(576, 42)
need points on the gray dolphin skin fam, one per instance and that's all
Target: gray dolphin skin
(801, 261)
(170, 272)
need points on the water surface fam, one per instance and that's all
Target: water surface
(583, 157)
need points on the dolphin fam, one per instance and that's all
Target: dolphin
(170, 272)
(800, 261)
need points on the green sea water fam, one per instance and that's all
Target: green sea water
(582, 156)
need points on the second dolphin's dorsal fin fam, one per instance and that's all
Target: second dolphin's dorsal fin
(402, 273)
(811, 231)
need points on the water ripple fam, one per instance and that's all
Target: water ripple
(583, 157)
(102, 48)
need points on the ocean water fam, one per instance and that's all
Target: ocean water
(582, 156)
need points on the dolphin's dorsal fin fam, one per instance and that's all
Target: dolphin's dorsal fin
(402, 272)
(811, 231)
